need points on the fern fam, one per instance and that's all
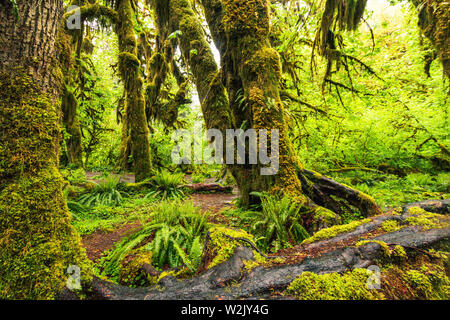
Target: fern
(104, 193)
(166, 186)
(276, 225)
(177, 228)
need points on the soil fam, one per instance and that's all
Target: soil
(99, 242)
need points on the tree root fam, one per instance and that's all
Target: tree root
(334, 196)
(231, 280)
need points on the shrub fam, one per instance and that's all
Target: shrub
(166, 185)
(105, 193)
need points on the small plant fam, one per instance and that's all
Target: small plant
(103, 193)
(174, 236)
(167, 185)
(277, 224)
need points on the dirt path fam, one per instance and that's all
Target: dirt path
(99, 242)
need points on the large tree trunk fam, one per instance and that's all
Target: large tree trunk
(129, 66)
(37, 242)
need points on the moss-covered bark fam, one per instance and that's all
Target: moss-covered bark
(37, 241)
(247, 27)
(72, 125)
(69, 103)
(198, 54)
(129, 67)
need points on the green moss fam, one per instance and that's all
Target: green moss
(129, 67)
(351, 285)
(335, 230)
(37, 242)
(427, 220)
(429, 283)
(390, 226)
(131, 270)
(223, 246)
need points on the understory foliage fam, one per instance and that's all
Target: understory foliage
(105, 192)
(174, 236)
(166, 185)
(277, 224)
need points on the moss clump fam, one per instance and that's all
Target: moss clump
(37, 241)
(131, 270)
(351, 285)
(429, 283)
(335, 230)
(390, 226)
(422, 280)
(223, 245)
(427, 220)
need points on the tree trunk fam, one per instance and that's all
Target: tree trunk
(72, 125)
(251, 70)
(129, 67)
(37, 242)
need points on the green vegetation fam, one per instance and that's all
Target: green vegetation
(103, 193)
(167, 185)
(356, 91)
(174, 237)
(278, 224)
(349, 286)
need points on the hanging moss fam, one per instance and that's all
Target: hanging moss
(37, 242)
(433, 20)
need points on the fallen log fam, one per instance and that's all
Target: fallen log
(208, 187)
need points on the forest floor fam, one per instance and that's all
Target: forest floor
(221, 208)
(100, 241)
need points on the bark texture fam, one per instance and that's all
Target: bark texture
(37, 241)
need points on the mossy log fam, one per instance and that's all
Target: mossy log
(408, 244)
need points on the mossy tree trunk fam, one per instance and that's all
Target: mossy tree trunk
(72, 125)
(37, 241)
(129, 67)
(70, 47)
(251, 68)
